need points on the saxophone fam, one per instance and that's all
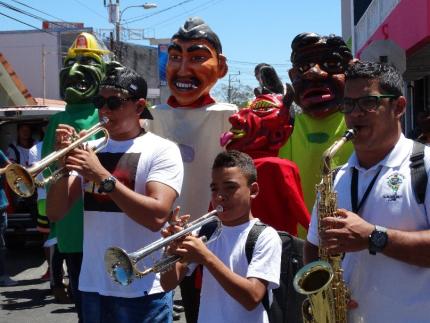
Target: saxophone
(322, 281)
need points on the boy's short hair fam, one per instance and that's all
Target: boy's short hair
(389, 79)
(234, 158)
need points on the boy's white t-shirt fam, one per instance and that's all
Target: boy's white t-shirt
(216, 305)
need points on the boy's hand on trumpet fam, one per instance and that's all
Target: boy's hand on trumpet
(176, 224)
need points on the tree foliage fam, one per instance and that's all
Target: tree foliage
(238, 94)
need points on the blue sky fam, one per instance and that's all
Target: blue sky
(251, 31)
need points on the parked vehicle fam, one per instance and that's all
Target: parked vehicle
(22, 213)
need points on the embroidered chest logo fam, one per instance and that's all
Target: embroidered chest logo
(394, 181)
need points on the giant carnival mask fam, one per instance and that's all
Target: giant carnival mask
(318, 72)
(262, 127)
(84, 69)
(195, 62)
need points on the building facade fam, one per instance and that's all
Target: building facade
(398, 32)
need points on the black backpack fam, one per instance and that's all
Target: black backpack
(287, 303)
(418, 172)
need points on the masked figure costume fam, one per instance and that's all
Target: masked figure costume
(260, 131)
(318, 79)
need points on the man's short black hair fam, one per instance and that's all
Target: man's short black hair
(196, 28)
(234, 158)
(305, 44)
(389, 79)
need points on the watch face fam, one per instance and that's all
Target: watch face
(108, 186)
(379, 239)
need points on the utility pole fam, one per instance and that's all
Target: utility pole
(115, 17)
(231, 79)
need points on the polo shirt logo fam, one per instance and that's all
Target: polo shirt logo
(394, 181)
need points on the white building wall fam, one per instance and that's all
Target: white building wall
(23, 50)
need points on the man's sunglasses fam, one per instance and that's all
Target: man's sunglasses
(112, 102)
(365, 103)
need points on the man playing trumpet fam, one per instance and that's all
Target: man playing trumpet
(129, 188)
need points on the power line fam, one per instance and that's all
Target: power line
(45, 31)
(28, 6)
(90, 9)
(137, 18)
(169, 20)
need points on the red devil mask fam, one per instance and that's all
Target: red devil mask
(262, 129)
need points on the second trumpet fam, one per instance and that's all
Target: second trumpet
(122, 266)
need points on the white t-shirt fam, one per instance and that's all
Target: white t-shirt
(197, 132)
(134, 163)
(216, 305)
(387, 290)
(35, 155)
(23, 155)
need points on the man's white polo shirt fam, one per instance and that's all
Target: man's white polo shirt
(387, 290)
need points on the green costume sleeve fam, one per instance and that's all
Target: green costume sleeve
(70, 228)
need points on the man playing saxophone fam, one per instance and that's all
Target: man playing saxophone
(129, 188)
(381, 226)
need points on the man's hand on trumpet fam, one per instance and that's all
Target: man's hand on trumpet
(83, 160)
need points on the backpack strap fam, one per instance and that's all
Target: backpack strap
(15, 150)
(208, 229)
(418, 172)
(251, 240)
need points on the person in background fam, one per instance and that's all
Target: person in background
(54, 272)
(5, 280)
(18, 152)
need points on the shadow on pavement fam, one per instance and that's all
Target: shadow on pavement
(19, 299)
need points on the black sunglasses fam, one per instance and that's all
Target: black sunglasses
(112, 102)
(367, 103)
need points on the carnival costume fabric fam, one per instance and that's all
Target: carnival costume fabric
(260, 131)
(84, 68)
(191, 117)
(318, 79)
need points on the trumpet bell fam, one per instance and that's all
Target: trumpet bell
(119, 265)
(19, 180)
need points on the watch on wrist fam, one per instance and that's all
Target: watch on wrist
(378, 239)
(107, 185)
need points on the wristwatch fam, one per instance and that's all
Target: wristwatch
(107, 185)
(378, 239)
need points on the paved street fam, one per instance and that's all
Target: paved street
(31, 300)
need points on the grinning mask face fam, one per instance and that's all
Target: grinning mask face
(318, 73)
(193, 69)
(264, 126)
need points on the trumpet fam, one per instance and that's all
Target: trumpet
(122, 266)
(22, 180)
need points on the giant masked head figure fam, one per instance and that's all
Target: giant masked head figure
(318, 72)
(195, 63)
(262, 128)
(84, 69)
